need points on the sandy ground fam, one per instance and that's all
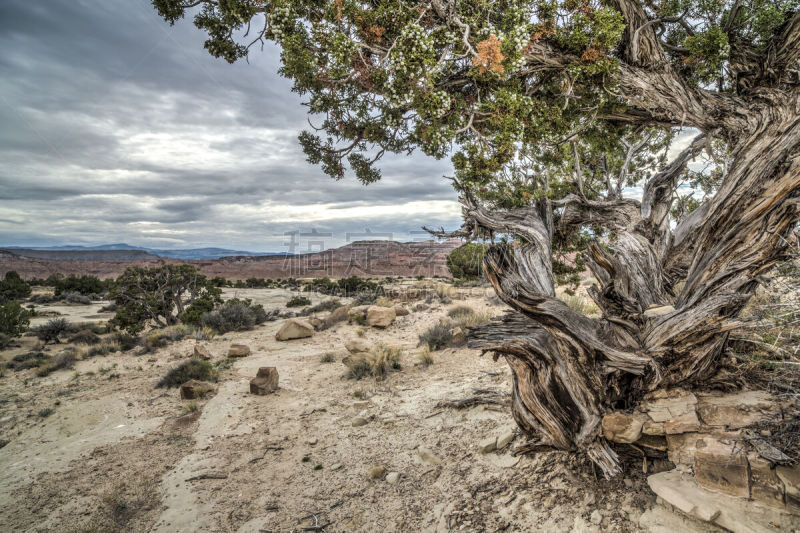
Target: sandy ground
(292, 459)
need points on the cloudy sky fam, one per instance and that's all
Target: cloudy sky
(116, 127)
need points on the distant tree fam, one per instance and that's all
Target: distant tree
(13, 287)
(465, 261)
(14, 319)
(157, 295)
(83, 284)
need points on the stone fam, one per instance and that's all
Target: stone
(294, 328)
(719, 466)
(737, 410)
(201, 352)
(399, 310)
(653, 428)
(380, 317)
(658, 310)
(685, 423)
(193, 389)
(596, 517)
(312, 441)
(505, 438)
(458, 336)
(315, 322)
(765, 484)
(340, 314)
(336, 466)
(358, 346)
(488, 444)
(359, 421)
(790, 476)
(392, 478)
(238, 350)
(427, 456)
(265, 382)
(667, 405)
(654, 442)
(622, 427)
(377, 472)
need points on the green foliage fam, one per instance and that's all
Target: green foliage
(347, 287)
(188, 370)
(53, 330)
(193, 314)
(86, 285)
(14, 319)
(298, 301)
(158, 295)
(234, 315)
(465, 261)
(12, 287)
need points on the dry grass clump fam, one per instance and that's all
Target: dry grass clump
(377, 363)
(580, 304)
(191, 369)
(425, 357)
(473, 319)
(328, 357)
(384, 302)
(436, 337)
(121, 507)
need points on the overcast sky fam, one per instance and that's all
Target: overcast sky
(116, 127)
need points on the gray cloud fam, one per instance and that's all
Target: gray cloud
(116, 127)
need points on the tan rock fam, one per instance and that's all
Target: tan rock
(358, 314)
(622, 427)
(337, 315)
(294, 328)
(377, 472)
(720, 466)
(380, 317)
(735, 410)
(653, 428)
(357, 346)
(765, 485)
(399, 310)
(654, 442)
(359, 421)
(193, 389)
(428, 456)
(459, 337)
(265, 382)
(790, 476)
(667, 405)
(392, 478)
(202, 352)
(487, 445)
(238, 350)
(685, 423)
(505, 438)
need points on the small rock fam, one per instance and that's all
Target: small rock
(238, 350)
(201, 352)
(380, 317)
(294, 328)
(377, 472)
(399, 310)
(488, 445)
(628, 483)
(194, 389)
(312, 442)
(357, 346)
(622, 427)
(505, 439)
(265, 382)
(428, 456)
(359, 421)
(596, 517)
(337, 466)
(392, 478)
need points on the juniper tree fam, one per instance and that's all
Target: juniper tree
(549, 109)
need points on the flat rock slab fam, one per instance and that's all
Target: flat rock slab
(238, 350)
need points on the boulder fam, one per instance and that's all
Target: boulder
(201, 352)
(294, 328)
(359, 421)
(721, 467)
(339, 314)
(238, 350)
(193, 389)
(505, 438)
(399, 310)
(459, 337)
(790, 476)
(357, 346)
(358, 313)
(380, 317)
(265, 382)
(622, 427)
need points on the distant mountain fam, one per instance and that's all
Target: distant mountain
(187, 254)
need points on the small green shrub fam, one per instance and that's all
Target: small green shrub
(298, 301)
(328, 357)
(436, 337)
(465, 261)
(104, 348)
(460, 310)
(193, 314)
(13, 287)
(73, 297)
(191, 369)
(47, 411)
(235, 315)
(327, 305)
(126, 341)
(14, 319)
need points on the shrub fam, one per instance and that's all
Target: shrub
(110, 308)
(377, 363)
(298, 301)
(472, 319)
(425, 357)
(126, 341)
(12, 287)
(5, 341)
(75, 298)
(64, 359)
(328, 357)
(52, 330)
(104, 348)
(465, 261)
(14, 319)
(193, 314)
(203, 333)
(436, 337)
(160, 338)
(45, 412)
(84, 285)
(327, 305)
(235, 315)
(188, 370)
(28, 360)
(460, 310)
(45, 298)
(85, 336)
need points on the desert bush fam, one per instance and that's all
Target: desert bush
(162, 337)
(328, 357)
(436, 337)
(5, 341)
(85, 285)
(298, 301)
(14, 319)
(425, 357)
(126, 341)
(12, 287)
(119, 507)
(73, 297)
(203, 333)
(235, 315)
(191, 369)
(465, 261)
(110, 308)
(326, 305)
(579, 304)
(85, 336)
(103, 348)
(45, 412)
(52, 330)
(380, 361)
(64, 359)
(28, 360)
(460, 310)
(193, 315)
(44, 298)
